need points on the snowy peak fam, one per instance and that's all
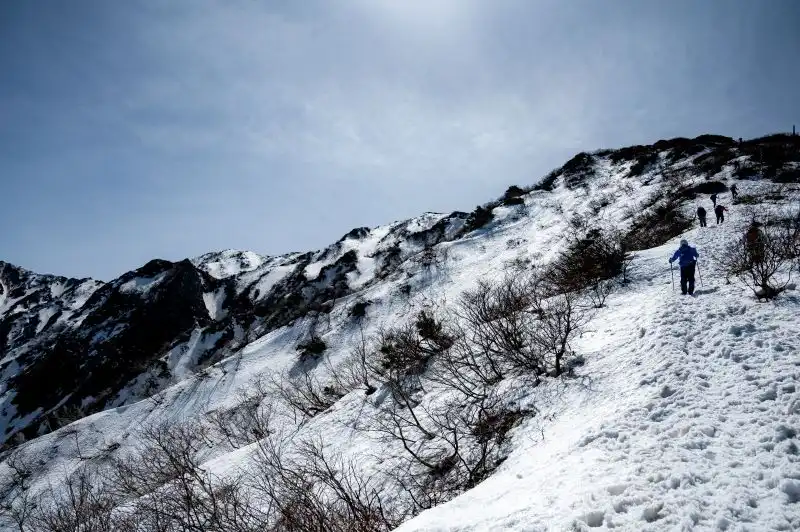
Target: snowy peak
(228, 263)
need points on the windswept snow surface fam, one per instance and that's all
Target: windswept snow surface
(141, 284)
(684, 416)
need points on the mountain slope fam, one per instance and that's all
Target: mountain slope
(688, 419)
(638, 440)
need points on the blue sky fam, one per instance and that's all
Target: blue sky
(142, 129)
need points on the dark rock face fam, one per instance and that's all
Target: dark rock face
(123, 329)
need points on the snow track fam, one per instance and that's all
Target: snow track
(687, 420)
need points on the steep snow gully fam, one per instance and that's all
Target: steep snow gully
(685, 414)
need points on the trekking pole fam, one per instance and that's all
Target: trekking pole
(700, 274)
(672, 274)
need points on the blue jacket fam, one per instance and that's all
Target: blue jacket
(686, 255)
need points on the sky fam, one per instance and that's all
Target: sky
(146, 129)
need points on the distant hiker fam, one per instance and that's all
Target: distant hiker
(686, 256)
(734, 192)
(701, 215)
(714, 199)
(754, 243)
(719, 210)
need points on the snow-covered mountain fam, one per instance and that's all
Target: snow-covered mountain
(674, 413)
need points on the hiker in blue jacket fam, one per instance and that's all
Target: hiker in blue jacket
(686, 256)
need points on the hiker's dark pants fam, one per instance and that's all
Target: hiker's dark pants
(720, 218)
(687, 276)
(702, 221)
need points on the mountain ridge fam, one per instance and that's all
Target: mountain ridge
(277, 289)
(225, 319)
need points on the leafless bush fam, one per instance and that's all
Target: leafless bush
(249, 419)
(496, 320)
(518, 325)
(310, 490)
(82, 503)
(404, 352)
(304, 394)
(449, 448)
(656, 225)
(18, 504)
(164, 487)
(592, 263)
(561, 319)
(433, 258)
(311, 349)
(354, 372)
(763, 257)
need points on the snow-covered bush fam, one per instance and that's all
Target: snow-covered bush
(304, 394)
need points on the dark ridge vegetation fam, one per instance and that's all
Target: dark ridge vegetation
(711, 163)
(548, 182)
(357, 234)
(657, 225)
(720, 140)
(706, 187)
(578, 170)
(513, 196)
(478, 218)
(311, 348)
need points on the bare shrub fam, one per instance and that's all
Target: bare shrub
(164, 486)
(519, 325)
(591, 263)
(311, 490)
(304, 394)
(657, 224)
(354, 372)
(312, 348)
(496, 322)
(82, 503)
(18, 504)
(562, 318)
(249, 419)
(763, 257)
(404, 352)
(449, 448)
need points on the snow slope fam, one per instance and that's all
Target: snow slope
(688, 420)
(683, 417)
